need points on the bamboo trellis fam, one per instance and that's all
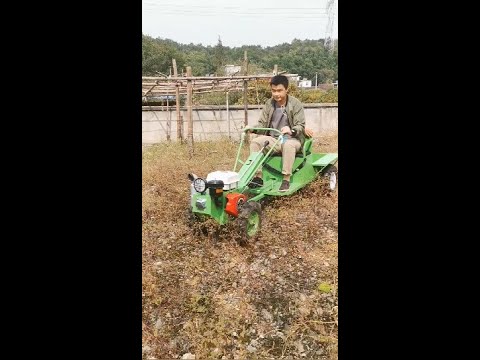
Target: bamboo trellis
(167, 85)
(178, 86)
(187, 85)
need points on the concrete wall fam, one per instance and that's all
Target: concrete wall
(210, 122)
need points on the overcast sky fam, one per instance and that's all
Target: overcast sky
(237, 23)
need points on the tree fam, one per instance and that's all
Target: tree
(200, 62)
(219, 58)
(157, 56)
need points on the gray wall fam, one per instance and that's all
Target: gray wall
(210, 122)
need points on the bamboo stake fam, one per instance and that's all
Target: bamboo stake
(169, 120)
(189, 113)
(177, 102)
(245, 88)
(228, 117)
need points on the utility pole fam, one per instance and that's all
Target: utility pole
(316, 78)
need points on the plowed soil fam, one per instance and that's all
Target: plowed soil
(206, 297)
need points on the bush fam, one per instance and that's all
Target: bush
(259, 92)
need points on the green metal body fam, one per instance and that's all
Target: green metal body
(214, 207)
(306, 167)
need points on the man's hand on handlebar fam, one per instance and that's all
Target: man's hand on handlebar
(286, 130)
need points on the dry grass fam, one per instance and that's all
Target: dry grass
(274, 299)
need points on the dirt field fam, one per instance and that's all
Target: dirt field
(207, 296)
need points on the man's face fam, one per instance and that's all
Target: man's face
(279, 93)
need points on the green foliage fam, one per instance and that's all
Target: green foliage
(219, 58)
(317, 96)
(307, 58)
(310, 96)
(199, 61)
(157, 56)
(217, 98)
(331, 96)
(258, 92)
(326, 76)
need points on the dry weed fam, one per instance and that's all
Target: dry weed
(203, 294)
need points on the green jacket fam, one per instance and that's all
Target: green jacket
(296, 116)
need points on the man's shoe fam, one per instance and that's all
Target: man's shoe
(256, 182)
(285, 186)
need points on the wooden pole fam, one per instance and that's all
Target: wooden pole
(177, 103)
(189, 112)
(169, 120)
(228, 119)
(245, 87)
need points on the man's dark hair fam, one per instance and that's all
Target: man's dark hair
(279, 79)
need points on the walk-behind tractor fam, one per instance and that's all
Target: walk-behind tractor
(232, 196)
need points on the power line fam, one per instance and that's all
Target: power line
(247, 16)
(201, 7)
(235, 12)
(238, 10)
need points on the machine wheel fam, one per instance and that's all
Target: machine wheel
(249, 221)
(331, 172)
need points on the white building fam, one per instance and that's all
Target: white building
(305, 83)
(232, 69)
